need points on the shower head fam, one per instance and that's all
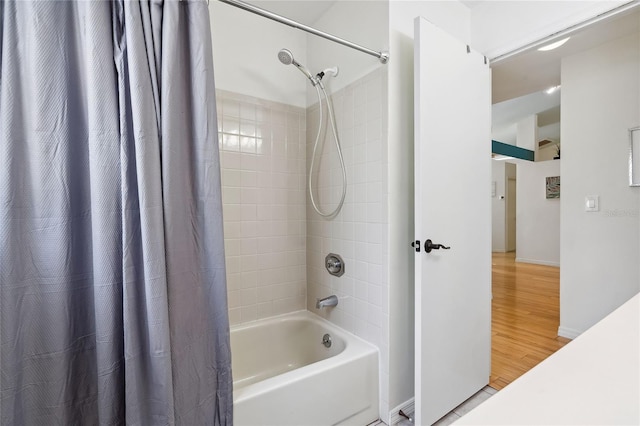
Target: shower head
(286, 57)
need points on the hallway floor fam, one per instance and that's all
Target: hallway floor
(525, 317)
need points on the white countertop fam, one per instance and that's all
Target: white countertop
(595, 379)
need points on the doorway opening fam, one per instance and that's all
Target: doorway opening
(525, 279)
(525, 285)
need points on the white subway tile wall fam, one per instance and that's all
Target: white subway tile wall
(359, 233)
(262, 159)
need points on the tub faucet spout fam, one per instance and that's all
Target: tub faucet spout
(327, 301)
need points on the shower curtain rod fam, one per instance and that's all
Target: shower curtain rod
(382, 56)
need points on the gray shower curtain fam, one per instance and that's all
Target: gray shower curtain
(112, 279)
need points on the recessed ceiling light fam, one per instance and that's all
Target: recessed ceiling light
(554, 45)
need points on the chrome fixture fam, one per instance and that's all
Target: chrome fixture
(326, 340)
(327, 302)
(286, 57)
(334, 264)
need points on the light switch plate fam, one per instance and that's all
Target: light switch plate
(592, 203)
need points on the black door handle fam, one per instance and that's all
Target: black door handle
(429, 245)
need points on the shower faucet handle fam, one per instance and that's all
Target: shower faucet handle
(334, 264)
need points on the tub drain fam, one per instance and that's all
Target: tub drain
(326, 340)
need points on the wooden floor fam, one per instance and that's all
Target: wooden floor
(525, 317)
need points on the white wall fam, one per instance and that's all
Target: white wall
(498, 27)
(527, 133)
(498, 207)
(262, 156)
(262, 161)
(245, 48)
(401, 261)
(359, 233)
(451, 16)
(538, 218)
(364, 22)
(600, 250)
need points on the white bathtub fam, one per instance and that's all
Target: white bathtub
(284, 375)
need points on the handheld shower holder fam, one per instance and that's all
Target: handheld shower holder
(333, 71)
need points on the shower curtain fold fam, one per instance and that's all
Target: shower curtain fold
(113, 302)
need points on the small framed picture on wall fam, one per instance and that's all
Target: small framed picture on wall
(553, 187)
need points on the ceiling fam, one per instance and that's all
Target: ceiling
(533, 71)
(471, 3)
(518, 83)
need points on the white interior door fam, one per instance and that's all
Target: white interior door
(452, 207)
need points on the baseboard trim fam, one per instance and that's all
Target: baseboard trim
(569, 333)
(406, 407)
(537, 262)
(500, 251)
